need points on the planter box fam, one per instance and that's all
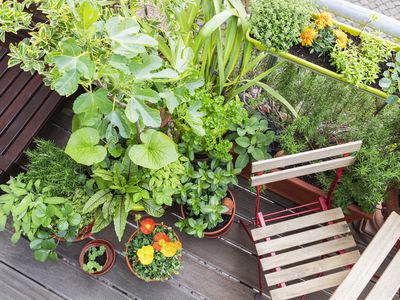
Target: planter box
(299, 61)
(301, 192)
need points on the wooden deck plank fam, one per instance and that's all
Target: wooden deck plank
(64, 279)
(297, 223)
(14, 285)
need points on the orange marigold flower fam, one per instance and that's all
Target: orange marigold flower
(341, 38)
(147, 226)
(159, 240)
(146, 255)
(323, 20)
(169, 249)
(307, 36)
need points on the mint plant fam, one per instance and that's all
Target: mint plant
(252, 139)
(37, 215)
(204, 185)
(93, 254)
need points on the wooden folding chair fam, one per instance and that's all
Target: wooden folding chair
(313, 243)
(389, 282)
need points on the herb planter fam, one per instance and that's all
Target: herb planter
(128, 259)
(84, 234)
(307, 64)
(226, 227)
(107, 261)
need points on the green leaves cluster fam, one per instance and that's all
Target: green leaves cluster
(252, 139)
(391, 80)
(38, 215)
(162, 268)
(93, 254)
(279, 23)
(13, 17)
(204, 186)
(360, 64)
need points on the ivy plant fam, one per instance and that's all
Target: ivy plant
(37, 215)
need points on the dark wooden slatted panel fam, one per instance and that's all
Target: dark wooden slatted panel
(7, 137)
(8, 77)
(35, 125)
(12, 92)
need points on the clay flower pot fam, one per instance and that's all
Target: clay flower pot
(227, 226)
(84, 234)
(127, 258)
(110, 255)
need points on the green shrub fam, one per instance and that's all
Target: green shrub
(279, 23)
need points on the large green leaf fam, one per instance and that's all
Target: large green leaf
(100, 222)
(93, 102)
(118, 120)
(152, 208)
(137, 108)
(120, 216)
(67, 84)
(83, 147)
(157, 150)
(87, 15)
(149, 69)
(96, 200)
(125, 37)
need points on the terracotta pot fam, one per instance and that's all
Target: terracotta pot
(85, 233)
(127, 259)
(110, 255)
(223, 230)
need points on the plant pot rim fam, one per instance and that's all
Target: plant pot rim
(228, 225)
(127, 258)
(84, 234)
(110, 255)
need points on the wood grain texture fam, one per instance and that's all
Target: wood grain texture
(297, 223)
(303, 170)
(290, 160)
(370, 260)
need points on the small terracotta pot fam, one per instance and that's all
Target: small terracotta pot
(223, 230)
(127, 259)
(110, 255)
(85, 233)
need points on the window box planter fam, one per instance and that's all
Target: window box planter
(310, 65)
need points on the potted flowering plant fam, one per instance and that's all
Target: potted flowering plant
(153, 252)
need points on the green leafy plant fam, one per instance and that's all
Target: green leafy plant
(204, 186)
(38, 215)
(279, 23)
(360, 63)
(155, 254)
(391, 79)
(324, 42)
(93, 254)
(252, 139)
(213, 119)
(13, 17)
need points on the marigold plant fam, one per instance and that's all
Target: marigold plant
(341, 38)
(308, 36)
(154, 255)
(323, 20)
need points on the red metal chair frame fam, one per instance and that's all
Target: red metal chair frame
(260, 219)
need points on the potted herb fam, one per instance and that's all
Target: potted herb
(97, 257)
(207, 206)
(153, 252)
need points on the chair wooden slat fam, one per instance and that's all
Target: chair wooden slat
(370, 260)
(303, 157)
(297, 223)
(312, 268)
(309, 286)
(302, 238)
(389, 283)
(305, 253)
(303, 170)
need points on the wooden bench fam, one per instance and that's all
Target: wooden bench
(25, 105)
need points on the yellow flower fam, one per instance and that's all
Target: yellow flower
(169, 249)
(308, 36)
(323, 20)
(341, 38)
(146, 255)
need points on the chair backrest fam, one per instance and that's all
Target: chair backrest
(304, 157)
(369, 262)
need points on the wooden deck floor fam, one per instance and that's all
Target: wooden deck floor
(223, 268)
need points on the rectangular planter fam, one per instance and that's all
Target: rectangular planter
(299, 61)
